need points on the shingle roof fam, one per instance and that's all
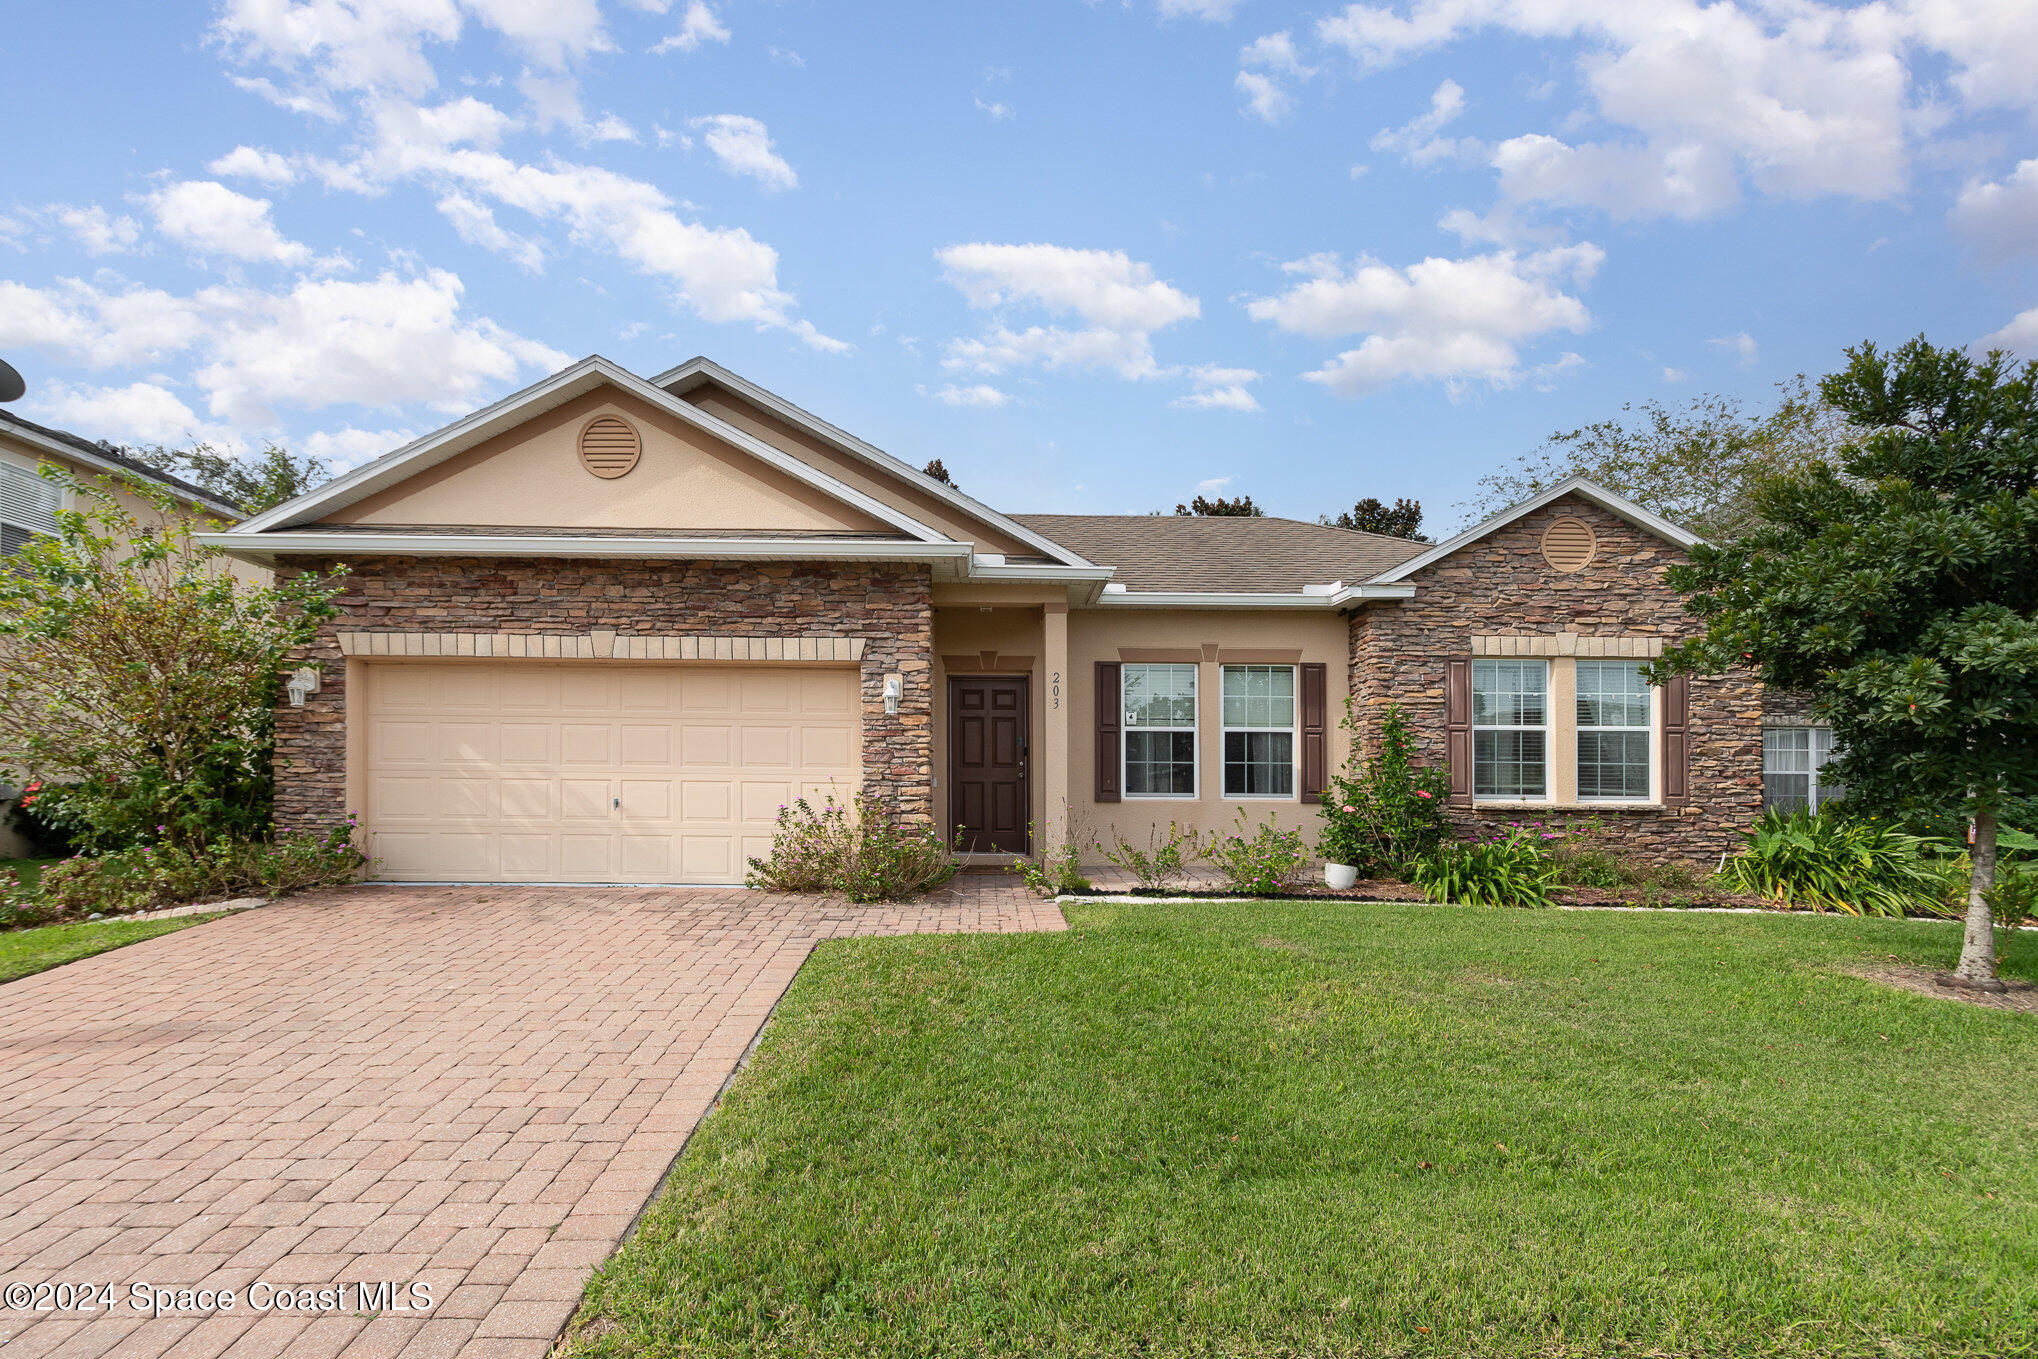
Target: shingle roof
(90, 449)
(1223, 552)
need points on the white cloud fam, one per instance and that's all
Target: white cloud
(1624, 181)
(347, 447)
(607, 128)
(256, 163)
(980, 395)
(2001, 218)
(1117, 298)
(100, 327)
(1213, 485)
(696, 26)
(97, 231)
(1450, 320)
(476, 225)
(1673, 375)
(1992, 45)
(1741, 345)
(998, 110)
(139, 413)
(1269, 68)
(1417, 139)
(2020, 336)
(1210, 11)
(1219, 388)
(743, 147)
(213, 220)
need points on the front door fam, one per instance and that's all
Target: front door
(987, 800)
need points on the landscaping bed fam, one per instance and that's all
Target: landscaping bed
(1387, 889)
(1292, 1128)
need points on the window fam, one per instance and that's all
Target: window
(28, 506)
(1510, 729)
(1793, 759)
(1160, 730)
(1259, 730)
(1614, 733)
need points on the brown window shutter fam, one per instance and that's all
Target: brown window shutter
(1110, 718)
(1458, 728)
(1315, 745)
(1676, 741)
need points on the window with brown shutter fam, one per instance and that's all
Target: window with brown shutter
(1458, 728)
(1676, 741)
(1110, 720)
(1315, 743)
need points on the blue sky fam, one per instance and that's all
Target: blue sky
(1095, 257)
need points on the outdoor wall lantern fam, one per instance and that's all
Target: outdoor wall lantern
(304, 680)
(894, 686)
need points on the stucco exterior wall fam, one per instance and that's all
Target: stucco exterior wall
(890, 607)
(1501, 584)
(1213, 636)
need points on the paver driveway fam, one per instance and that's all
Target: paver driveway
(473, 1088)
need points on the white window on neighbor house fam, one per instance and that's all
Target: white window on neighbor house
(1160, 730)
(1259, 731)
(1793, 765)
(1615, 734)
(28, 506)
(1510, 729)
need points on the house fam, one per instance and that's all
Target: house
(29, 504)
(603, 629)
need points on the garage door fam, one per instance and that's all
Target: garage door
(482, 771)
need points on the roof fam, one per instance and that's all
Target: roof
(1236, 553)
(1582, 487)
(111, 460)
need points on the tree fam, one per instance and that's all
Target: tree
(255, 482)
(137, 675)
(939, 472)
(1695, 466)
(1900, 588)
(1402, 519)
(1242, 507)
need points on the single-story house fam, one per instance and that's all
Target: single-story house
(601, 630)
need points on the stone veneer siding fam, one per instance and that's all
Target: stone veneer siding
(1501, 585)
(889, 606)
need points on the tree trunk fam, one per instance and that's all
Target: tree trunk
(1977, 968)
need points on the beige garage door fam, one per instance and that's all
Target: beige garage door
(490, 771)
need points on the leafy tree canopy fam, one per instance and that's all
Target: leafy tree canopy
(1696, 465)
(255, 482)
(1402, 519)
(1898, 584)
(1242, 507)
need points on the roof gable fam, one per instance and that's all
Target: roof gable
(44, 441)
(1617, 505)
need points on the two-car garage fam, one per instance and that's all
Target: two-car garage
(480, 770)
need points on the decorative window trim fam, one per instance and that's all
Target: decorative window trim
(1652, 745)
(1293, 729)
(1547, 728)
(1569, 644)
(600, 645)
(1193, 729)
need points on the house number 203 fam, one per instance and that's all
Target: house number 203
(1054, 688)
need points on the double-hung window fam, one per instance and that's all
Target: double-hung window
(1793, 766)
(1614, 732)
(1259, 730)
(1510, 728)
(1160, 730)
(28, 506)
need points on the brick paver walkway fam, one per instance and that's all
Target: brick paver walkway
(473, 1088)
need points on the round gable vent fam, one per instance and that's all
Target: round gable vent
(609, 446)
(1568, 545)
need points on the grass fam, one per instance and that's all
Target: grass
(1317, 1128)
(23, 952)
(29, 869)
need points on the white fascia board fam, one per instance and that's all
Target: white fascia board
(1618, 505)
(285, 543)
(569, 382)
(983, 570)
(60, 449)
(704, 369)
(1115, 598)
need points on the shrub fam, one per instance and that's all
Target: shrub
(1383, 814)
(1163, 862)
(1261, 859)
(1582, 857)
(1831, 861)
(155, 876)
(1058, 871)
(853, 848)
(1511, 869)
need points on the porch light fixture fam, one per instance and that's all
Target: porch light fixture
(304, 680)
(894, 686)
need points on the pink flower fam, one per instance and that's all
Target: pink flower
(1350, 808)
(1420, 792)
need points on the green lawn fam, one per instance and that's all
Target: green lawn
(1319, 1128)
(45, 946)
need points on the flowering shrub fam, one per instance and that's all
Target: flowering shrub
(1512, 867)
(161, 875)
(1383, 814)
(852, 848)
(1265, 862)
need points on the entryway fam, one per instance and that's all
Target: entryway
(987, 760)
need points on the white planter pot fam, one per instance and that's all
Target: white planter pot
(1337, 877)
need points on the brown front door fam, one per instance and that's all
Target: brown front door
(987, 799)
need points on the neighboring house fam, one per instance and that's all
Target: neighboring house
(604, 628)
(29, 505)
